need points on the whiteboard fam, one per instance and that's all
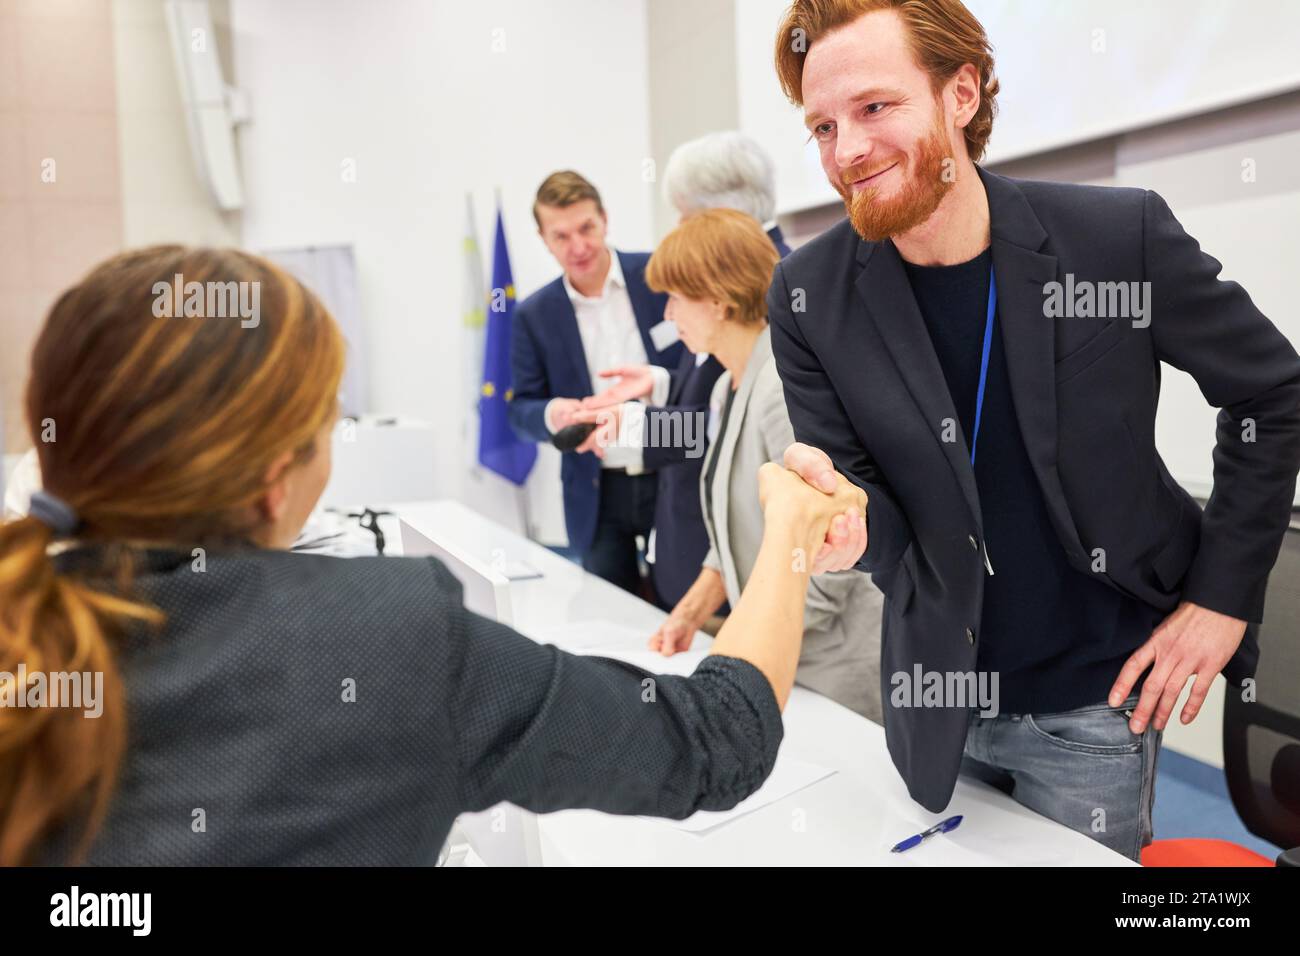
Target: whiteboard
(1070, 70)
(331, 272)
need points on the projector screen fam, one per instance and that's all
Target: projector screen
(1070, 71)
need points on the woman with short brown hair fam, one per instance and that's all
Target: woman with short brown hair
(716, 267)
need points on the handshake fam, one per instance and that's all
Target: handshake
(806, 504)
(809, 489)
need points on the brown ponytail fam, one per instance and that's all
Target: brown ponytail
(54, 762)
(163, 431)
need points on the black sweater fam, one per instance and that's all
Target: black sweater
(1056, 637)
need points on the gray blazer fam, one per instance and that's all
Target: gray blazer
(841, 641)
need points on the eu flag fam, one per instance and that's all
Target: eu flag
(499, 449)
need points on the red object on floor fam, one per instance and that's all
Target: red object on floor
(1198, 852)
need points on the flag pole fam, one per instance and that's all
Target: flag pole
(521, 491)
(473, 325)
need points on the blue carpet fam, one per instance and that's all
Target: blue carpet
(1192, 801)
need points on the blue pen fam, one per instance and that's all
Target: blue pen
(941, 827)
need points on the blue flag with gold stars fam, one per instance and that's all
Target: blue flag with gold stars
(499, 449)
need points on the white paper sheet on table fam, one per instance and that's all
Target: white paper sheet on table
(609, 639)
(787, 777)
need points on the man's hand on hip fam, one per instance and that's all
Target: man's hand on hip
(1192, 640)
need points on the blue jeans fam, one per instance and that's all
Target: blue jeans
(1082, 768)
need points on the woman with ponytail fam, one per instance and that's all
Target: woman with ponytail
(181, 451)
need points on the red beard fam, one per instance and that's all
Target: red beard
(875, 219)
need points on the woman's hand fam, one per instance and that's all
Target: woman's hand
(700, 602)
(674, 635)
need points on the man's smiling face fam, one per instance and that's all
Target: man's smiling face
(880, 128)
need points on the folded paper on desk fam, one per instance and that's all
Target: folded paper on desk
(788, 776)
(600, 638)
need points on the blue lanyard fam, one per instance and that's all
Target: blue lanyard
(984, 364)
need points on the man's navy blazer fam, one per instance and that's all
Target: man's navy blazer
(681, 541)
(547, 361)
(863, 383)
(778, 240)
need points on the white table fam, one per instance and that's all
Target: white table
(849, 818)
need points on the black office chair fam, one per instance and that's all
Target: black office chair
(1261, 739)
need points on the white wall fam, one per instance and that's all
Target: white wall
(1246, 222)
(431, 99)
(163, 199)
(767, 116)
(694, 79)
(1072, 72)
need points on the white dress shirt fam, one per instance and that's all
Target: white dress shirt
(610, 338)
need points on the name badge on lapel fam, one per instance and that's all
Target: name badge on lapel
(663, 334)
